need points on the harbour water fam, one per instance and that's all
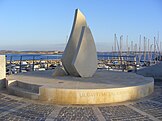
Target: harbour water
(103, 56)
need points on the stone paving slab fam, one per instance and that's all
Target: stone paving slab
(121, 113)
(14, 108)
(76, 113)
(151, 108)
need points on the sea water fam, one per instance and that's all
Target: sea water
(103, 56)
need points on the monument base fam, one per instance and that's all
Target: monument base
(104, 87)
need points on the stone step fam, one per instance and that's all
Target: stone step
(16, 90)
(22, 89)
(30, 87)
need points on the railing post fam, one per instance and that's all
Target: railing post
(20, 63)
(33, 62)
(135, 68)
(47, 62)
(10, 71)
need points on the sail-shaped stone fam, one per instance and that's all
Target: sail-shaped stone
(80, 57)
(68, 55)
(85, 58)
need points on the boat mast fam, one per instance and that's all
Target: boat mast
(144, 49)
(154, 49)
(139, 57)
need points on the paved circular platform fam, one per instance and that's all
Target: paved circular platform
(145, 109)
(103, 87)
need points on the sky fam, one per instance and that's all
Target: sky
(46, 24)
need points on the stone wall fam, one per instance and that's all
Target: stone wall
(2, 71)
(154, 71)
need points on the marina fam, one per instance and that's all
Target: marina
(125, 56)
(16, 63)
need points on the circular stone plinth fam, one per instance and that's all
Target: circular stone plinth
(103, 87)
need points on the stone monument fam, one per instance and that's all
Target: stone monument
(2, 70)
(80, 57)
(80, 60)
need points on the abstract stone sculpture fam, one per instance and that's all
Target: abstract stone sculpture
(80, 57)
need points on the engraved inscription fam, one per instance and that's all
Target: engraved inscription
(90, 94)
(100, 94)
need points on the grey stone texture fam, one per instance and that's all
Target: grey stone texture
(59, 71)
(2, 71)
(85, 58)
(80, 57)
(154, 71)
(67, 57)
(2, 84)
